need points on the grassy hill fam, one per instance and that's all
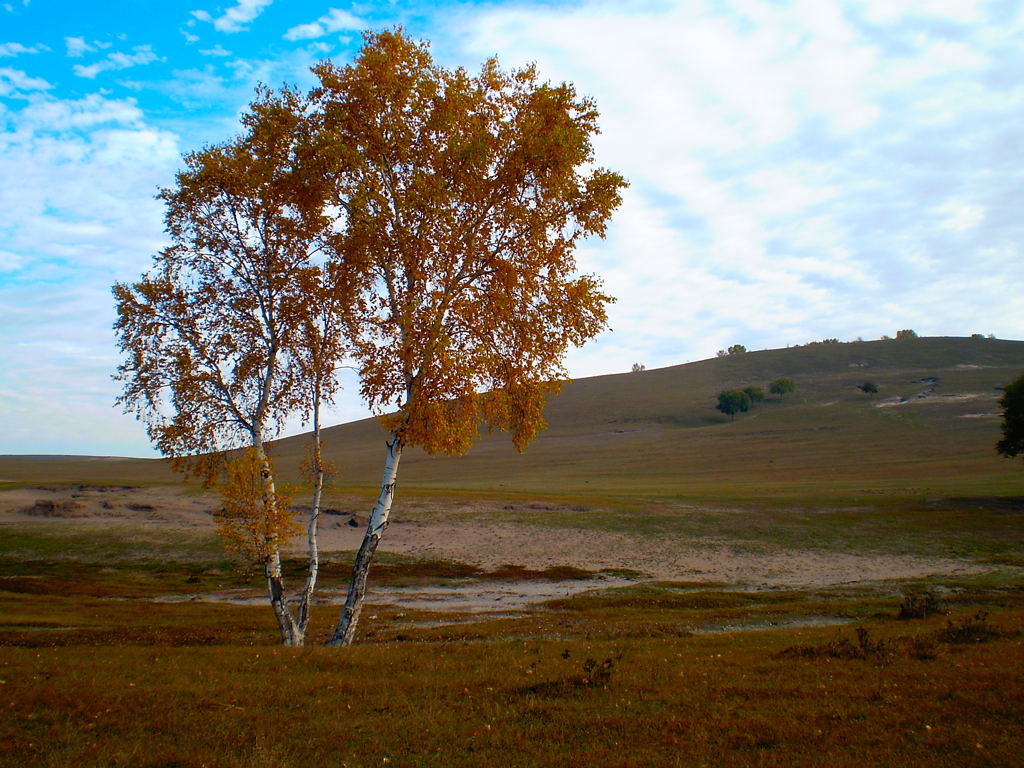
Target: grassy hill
(929, 432)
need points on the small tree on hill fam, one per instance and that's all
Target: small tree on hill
(756, 394)
(868, 388)
(1012, 403)
(465, 198)
(733, 401)
(737, 349)
(639, 368)
(906, 333)
(781, 387)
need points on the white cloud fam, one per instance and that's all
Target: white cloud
(795, 175)
(81, 216)
(236, 18)
(334, 20)
(17, 49)
(10, 262)
(189, 37)
(217, 50)
(77, 47)
(960, 216)
(14, 82)
(143, 54)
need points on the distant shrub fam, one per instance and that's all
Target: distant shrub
(756, 394)
(920, 605)
(977, 336)
(1012, 403)
(868, 388)
(906, 333)
(973, 629)
(733, 401)
(863, 647)
(737, 349)
(781, 387)
(639, 367)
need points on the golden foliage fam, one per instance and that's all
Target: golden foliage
(255, 519)
(465, 197)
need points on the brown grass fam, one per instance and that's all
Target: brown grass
(605, 679)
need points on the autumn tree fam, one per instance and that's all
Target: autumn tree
(1012, 402)
(464, 198)
(219, 340)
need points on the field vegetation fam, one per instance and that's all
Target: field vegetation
(117, 649)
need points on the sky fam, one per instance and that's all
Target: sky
(799, 169)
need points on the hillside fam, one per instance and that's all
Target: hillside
(929, 432)
(657, 432)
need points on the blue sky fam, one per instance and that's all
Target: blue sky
(800, 169)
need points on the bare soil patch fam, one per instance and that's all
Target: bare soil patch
(491, 545)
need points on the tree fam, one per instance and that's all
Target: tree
(737, 349)
(464, 198)
(781, 386)
(756, 394)
(220, 342)
(1012, 402)
(906, 333)
(639, 368)
(733, 401)
(868, 388)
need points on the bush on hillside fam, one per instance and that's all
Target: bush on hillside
(733, 401)
(756, 394)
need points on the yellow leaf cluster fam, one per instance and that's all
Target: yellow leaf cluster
(254, 520)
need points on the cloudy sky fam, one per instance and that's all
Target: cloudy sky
(800, 169)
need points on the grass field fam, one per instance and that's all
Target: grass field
(92, 673)
(97, 668)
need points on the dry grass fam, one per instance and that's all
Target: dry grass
(645, 675)
(556, 689)
(94, 673)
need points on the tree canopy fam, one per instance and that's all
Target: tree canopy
(465, 197)
(781, 387)
(1012, 403)
(733, 401)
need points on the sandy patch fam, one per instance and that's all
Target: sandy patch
(490, 545)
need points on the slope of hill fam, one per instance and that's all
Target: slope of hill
(930, 431)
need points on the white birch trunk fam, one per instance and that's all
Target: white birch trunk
(314, 523)
(272, 567)
(345, 632)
